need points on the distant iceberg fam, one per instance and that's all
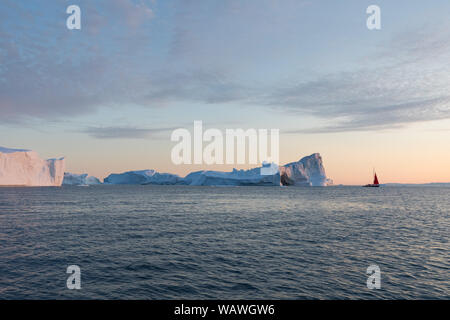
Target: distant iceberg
(20, 167)
(84, 179)
(252, 177)
(309, 171)
(143, 177)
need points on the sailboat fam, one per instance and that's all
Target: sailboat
(375, 183)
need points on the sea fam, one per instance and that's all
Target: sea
(184, 242)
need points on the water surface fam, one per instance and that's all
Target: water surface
(179, 242)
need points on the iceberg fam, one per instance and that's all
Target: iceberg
(21, 167)
(308, 171)
(252, 177)
(143, 177)
(84, 179)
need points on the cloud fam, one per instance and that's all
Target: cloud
(48, 72)
(408, 82)
(124, 132)
(194, 85)
(387, 117)
(135, 13)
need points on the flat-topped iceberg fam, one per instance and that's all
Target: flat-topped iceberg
(20, 167)
(84, 179)
(252, 177)
(309, 171)
(142, 177)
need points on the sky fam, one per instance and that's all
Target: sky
(108, 96)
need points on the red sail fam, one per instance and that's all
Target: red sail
(375, 179)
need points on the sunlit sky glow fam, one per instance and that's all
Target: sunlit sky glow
(107, 96)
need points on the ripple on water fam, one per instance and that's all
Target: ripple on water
(169, 242)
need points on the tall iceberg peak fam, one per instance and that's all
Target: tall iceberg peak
(308, 171)
(20, 167)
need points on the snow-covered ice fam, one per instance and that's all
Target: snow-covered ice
(20, 167)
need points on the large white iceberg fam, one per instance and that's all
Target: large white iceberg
(84, 179)
(142, 177)
(308, 171)
(20, 167)
(250, 177)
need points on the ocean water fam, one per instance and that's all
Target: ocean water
(178, 242)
